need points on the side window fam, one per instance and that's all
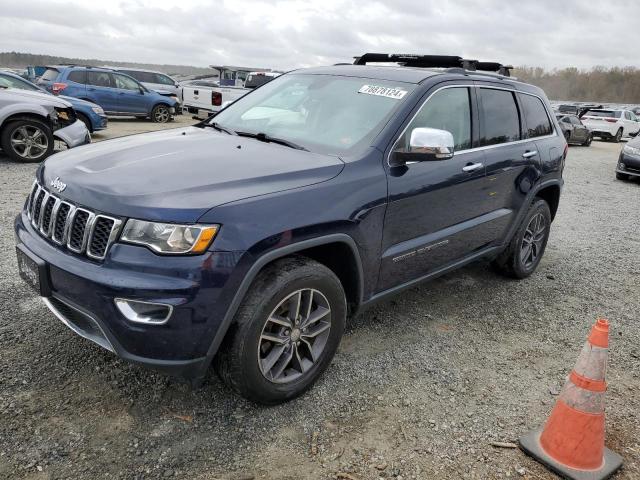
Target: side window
(448, 109)
(535, 116)
(575, 121)
(125, 83)
(163, 79)
(78, 76)
(99, 79)
(500, 117)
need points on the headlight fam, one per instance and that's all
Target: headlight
(98, 110)
(169, 237)
(631, 150)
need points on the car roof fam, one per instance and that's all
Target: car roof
(390, 73)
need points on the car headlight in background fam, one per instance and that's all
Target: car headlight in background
(169, 237)
(631, 150)
(98, 110)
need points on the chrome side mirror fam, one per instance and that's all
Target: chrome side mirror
(432, 142)
(425, 144)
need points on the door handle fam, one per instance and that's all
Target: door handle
(530, 154)
(472, 167)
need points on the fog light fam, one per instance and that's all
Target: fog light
(621, 166)
(144, 312)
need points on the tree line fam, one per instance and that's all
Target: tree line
(600, 84)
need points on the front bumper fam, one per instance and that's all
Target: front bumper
(628, 164)
(199, 288)
(74, 135)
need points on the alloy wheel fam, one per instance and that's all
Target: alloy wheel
(294, 336)
(29, 142)
(162, 114)
(533, 240)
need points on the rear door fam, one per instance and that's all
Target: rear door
(101, 90)
(436, 209)
(511, 158)
(131, 96)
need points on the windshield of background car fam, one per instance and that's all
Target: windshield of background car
(12, 82)
(604, 113)
(323, 113)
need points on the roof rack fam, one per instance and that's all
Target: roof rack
(435, 61)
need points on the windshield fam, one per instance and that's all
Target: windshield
(13, 82)
(323, 113)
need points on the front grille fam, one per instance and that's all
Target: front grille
(78, 229)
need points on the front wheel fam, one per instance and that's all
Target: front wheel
(588, 141)
(522, 256)
(160, 114)
(27, 140)
(285, 333)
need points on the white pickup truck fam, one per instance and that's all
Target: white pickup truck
(203, 100)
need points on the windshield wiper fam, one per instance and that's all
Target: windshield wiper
(263, 137)
(220, 128)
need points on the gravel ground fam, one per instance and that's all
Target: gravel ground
(419, 389)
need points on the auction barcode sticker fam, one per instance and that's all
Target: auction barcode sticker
(388, 92)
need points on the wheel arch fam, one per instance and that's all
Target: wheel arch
(551, 195)
(39, 116)
(317, 249)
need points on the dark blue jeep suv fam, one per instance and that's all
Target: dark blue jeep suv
(247, 240)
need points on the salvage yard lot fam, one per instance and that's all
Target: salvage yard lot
(420, 387)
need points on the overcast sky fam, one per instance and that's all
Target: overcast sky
(287, 34)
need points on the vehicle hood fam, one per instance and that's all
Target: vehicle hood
(165, 93)
(177, 175)
(78, 101)
(41, 98)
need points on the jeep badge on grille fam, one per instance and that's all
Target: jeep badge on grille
(58, 185)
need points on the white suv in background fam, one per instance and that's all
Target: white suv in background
(611, 124)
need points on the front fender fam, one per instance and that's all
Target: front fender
(16, 109)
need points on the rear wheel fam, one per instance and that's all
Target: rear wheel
(27, 140)
(160, 114)
(618, 136)
(286, 332)
(622, 176)
(522, 256)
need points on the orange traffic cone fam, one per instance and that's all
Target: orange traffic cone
(572, 441)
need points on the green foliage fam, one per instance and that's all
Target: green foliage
(600, 84)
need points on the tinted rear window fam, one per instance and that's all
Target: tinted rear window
(50, 74)
(78, 76)
(535, 116)
(500, 117)
(604, 113)
(254, 81)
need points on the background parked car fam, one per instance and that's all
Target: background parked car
(90, 114)
(256, 79)
(629, 161)
(118, 94)
(574, 130)
(156, 81)
(611, 124)
(31, 120)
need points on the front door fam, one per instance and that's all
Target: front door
(436, 209)
(131, 95)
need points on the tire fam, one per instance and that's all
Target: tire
(15, 135)
(511, 262)
(588, 141)
(622, 176)
(83, 118)
(618, 136)
(245, 353)
(160, 114)
(567, 136)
